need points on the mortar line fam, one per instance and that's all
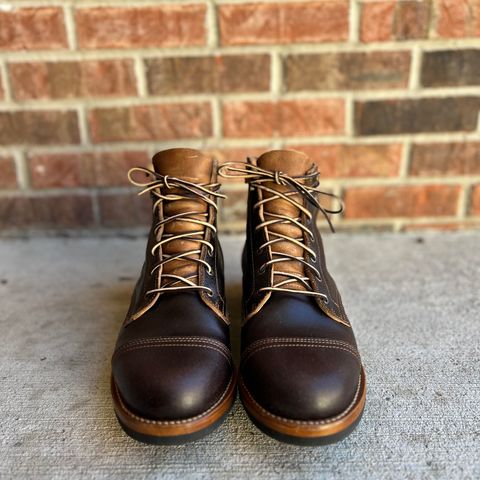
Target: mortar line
(276, 75)
(6, 82)
(211, 25)
(354, 22)
(22, 171)
(232, 143)
(464, 202)
(217, 118)
(361, 95)
(83, 125)
(140, 76)
(70, 28)
(324, 47)
(405, 159)
(415, 69)
(350, 115)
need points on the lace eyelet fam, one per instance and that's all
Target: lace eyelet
(259, 250)
(313, 258)
(325, 300)
(210, 293)
(262, 269)
(210, 252)
(209, 271)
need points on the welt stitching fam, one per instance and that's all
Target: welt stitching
(198, 345)
(172, 342)
(307, 422)
(335, 347)
(173, 422)
(304, 340)
(162, 340)
(175, 339)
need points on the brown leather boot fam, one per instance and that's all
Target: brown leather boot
(301, 378)
(172, 372)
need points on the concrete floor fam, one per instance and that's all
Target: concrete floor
(414, 303)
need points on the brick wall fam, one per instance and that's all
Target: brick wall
(384, 95)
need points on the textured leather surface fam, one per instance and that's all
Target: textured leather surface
(172, 361)
(299, 355)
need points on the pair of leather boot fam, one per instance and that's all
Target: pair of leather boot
(300, 378)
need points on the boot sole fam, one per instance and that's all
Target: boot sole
(324, 432)
(172, 432)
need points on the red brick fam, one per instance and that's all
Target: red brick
(283, 23)
(355, 160)
(67, 170)
(347, 71)
(56, 211)
(111, 168)
(445, 159)
(284, 118)
(475, 205)
(151, 122)
(141, 27)
(39, 28)
(401, 201)
(433, 114)
(103, 78)
(451, 68)
(381, 21)
(8, 174)
(206, 74)
(40, 127)
(59, 170)
(458, 18)
(125, 209)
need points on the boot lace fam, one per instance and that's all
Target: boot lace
(160, 187)
(300, 185)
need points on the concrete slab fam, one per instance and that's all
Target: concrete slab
(414, 302)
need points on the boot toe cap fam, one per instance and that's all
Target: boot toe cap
(171, 382)
(299, 381)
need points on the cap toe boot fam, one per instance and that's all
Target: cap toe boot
(301, 377)
(172, 373)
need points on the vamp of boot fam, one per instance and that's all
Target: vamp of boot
(172, 373)
(301, 379)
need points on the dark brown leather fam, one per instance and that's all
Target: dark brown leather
(172, 359)
(299, 356)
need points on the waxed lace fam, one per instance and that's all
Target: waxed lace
(257, 177)
(159, 186)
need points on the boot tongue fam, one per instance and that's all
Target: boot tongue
(290, 162)
(192, 166)
(184, 163)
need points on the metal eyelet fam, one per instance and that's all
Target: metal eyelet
(210, 293)
(209, 271)
(325, 300)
